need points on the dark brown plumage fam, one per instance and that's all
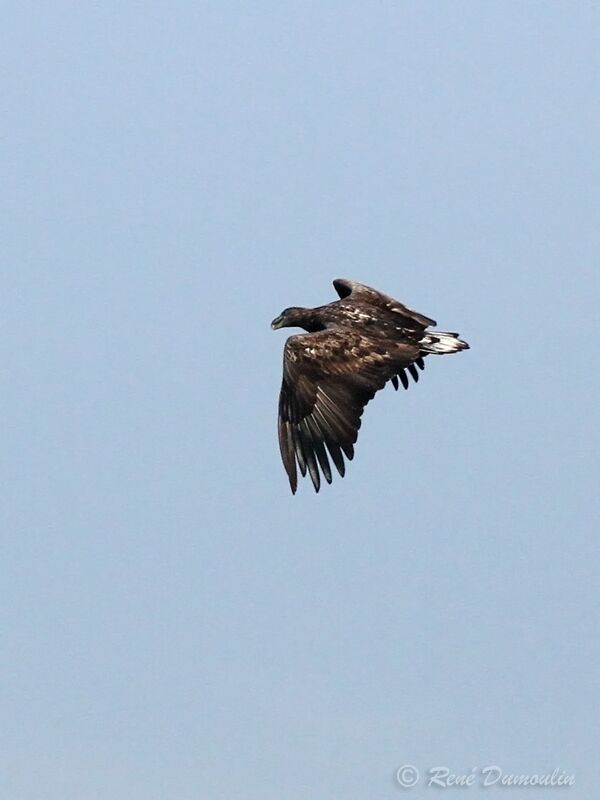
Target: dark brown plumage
(352, 347)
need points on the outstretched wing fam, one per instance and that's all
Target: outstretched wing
(365, 294)
(328, 378)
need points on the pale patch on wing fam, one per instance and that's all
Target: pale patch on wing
(347, 288)
(329, 376)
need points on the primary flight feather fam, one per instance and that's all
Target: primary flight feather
(352, 347)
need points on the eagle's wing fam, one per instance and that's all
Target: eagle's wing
(328, 378)
(365, 294)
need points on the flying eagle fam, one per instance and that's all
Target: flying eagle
(352, 347)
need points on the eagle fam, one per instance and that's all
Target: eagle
(352, 347)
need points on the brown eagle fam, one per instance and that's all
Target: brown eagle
(352, 347)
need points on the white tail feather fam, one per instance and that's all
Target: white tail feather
(442, 342)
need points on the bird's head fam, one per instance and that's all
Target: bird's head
(290, 318)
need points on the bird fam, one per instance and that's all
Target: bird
(350, 349)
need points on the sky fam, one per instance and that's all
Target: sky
(175, 624)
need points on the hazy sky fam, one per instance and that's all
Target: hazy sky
(175, 624)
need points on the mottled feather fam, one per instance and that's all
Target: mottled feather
(352, 347)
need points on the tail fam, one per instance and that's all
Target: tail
(441, 343)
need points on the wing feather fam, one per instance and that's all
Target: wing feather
(318, 440)
(299, 449)
(287, 448)
(309, 453)
(333, 447)
(328, 378)
(358, 291)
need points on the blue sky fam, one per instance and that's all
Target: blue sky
(176, 624)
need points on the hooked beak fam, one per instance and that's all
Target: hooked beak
(277, 322)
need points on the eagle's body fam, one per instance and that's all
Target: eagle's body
(352, 347)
